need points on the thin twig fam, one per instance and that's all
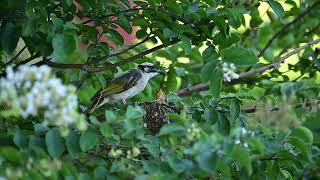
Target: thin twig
(16, 56)
(204, 86)
(286, 27)
(295, 106)
(34, 56)
(88, 68)
(119, 53)
(115, 14)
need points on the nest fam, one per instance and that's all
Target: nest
(155, 117)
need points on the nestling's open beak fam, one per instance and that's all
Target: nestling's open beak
(160, 71)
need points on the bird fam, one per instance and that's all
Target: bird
(125, 85)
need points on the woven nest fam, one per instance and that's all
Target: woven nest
(155, 117)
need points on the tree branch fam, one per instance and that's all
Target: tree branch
(88, 68)
(203, 86)
(114, 14)
(34, 56)
(22, 62)
(286, 27)
(121, 52)
(159, 9)
(295, 106)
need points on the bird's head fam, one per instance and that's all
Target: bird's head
(150, 69)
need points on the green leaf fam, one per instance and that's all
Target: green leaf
(116, 37)
(167, 33)
(11, 154)
(225, 42)
(86, 4)
(207, 161)
(105, 129)
(84, 176)
(153, 149)
(72, 143)
(88, 140)
(216, 82)
(63, 45)
(236, 16)
(175, 117)
(70, 26)
(100, 172)
(176, 164)
(134, 112)
(303, 133)
(196, 115)
(9, 37)
(55, 143)
(286, 174)
(171, 84)
(174, 6)
(141, 22)
(171, 129)
(221, 24)
(256, 146)
(125, 24)
(223, 125)
(141, 33)
(277, 8)
(211, 116)
(110, 116)
(224, 169)
(57, 23)
(186, 44)
(239, 56)
(209, 54)
(234, 109)
(21, 140)
(242, 158)
(208, 70)
(300, 145)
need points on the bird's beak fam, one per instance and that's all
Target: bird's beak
(160, 71)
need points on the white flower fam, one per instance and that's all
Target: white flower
(232, 66)
(244, 131)
(229, 72)
(225, 65)
(225, 69)
(10, 73)
(33, 91)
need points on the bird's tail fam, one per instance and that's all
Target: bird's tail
(95, 104)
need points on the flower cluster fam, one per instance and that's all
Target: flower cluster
(242, 132)
(116, 153)
(44, 167)
(193, 132)
(229, 71)
(135, 152)
(34, 92)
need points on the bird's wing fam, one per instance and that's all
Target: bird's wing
(119, 84)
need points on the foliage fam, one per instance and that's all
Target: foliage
(247, 125)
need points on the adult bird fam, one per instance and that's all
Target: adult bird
(125, 85)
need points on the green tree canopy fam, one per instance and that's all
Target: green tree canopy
(240, 98)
